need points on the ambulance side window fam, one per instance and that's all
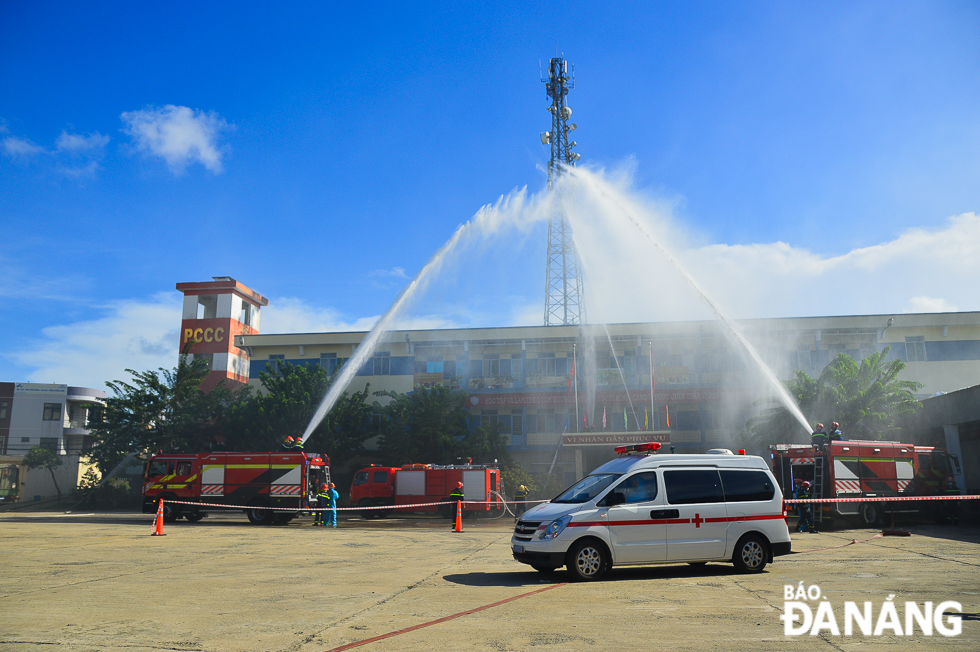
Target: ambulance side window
(381, 476)
(639, 488)
(183, 468)
(156, 468)
(747, 486)
(693, 486)
(361, 477)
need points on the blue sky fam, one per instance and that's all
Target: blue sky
(320, 155)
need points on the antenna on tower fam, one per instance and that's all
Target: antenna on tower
(563, 283)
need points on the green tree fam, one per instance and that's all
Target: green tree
(286, 405)
(867, 399)
(162, 410)
(425, 426)
(42, 458)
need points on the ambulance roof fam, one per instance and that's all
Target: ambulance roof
(632, 462)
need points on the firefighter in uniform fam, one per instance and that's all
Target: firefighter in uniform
(323, 498)
(806, 516)
(520, 507)
(952, 507)
(819, 438)
(835, 433)
(457, 497)
(298, 444)
(287, 445)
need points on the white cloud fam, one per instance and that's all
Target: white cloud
(177, 134)
(630, 278)
(930, 304)
(136, 335)
(78, 144)
(388, 278)
(20, 147)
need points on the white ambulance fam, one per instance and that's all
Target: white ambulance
(647, 509)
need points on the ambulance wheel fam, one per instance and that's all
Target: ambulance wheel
(751, 554)
(258, 516)
(587, 560)
(870, 514)
(194, 517)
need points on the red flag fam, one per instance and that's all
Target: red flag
(585, 419)
(668, 416)
(571, 376)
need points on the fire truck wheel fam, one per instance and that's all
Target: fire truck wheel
(258, 516)
(870, 514)
(194, 517)
(587, 560)
(367, 514)
(751, 554)
(170, 511)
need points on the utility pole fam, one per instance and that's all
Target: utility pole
(563, 283)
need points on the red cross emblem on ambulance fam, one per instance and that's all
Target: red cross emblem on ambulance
(697, 520)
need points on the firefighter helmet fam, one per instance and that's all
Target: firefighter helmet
(835, 425)
(325, 486)
(289, 438)
(819, 426)
(806, 483)
(459, 485)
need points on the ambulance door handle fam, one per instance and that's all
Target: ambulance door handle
(665, 513)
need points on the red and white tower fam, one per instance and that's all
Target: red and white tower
(214, 313)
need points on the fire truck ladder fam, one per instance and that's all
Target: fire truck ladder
(818, 468)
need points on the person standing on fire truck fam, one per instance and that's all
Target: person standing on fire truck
(819, 438)
(287, 444)
(835, 433)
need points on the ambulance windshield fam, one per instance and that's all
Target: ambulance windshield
(587, 488)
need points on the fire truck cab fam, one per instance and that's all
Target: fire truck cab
(251, 482)
(862, 468)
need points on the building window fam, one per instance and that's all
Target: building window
(546, 364)
(52, 412)
(4, 406)
(434, 365)
(274, 362)
(329, 362)
(488, 418)
(246, 314)
(491, 365)
(382, 363)
(49, 443)
(915, 349)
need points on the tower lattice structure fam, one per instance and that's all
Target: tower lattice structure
(563, 283)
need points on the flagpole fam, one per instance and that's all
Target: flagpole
(576, 387)
(653, 409)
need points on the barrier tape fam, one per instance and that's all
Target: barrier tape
(876, 499)
(349, 509)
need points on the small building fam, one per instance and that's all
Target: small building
(52, 416)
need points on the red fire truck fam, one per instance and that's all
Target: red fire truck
(863, 469)
(256, 481)
(414, 484)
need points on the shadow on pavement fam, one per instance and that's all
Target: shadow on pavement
(520, 578)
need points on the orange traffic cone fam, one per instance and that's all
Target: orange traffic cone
(158, 524)
(459, 516)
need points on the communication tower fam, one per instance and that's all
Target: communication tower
(563, 284)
